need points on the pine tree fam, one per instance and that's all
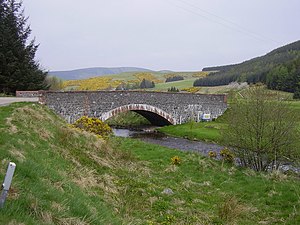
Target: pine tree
(147, 84)
(18, 69)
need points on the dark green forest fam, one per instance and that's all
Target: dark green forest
(279, 70)
(18, 68)
(174, 78)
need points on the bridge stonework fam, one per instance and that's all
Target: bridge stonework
(159, 108)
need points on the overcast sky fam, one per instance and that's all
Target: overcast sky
(180, 35)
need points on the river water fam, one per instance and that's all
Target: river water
(149, 135)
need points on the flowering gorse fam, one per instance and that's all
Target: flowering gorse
(227, 155)
(212, 154)
(93, 125)
(176, 160)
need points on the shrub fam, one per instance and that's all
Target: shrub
(191, 89)
(147, 84)
(176, 160)
(231, 209)
(262, 130)
(173, 89)
(212, 154)
(93, 125)
(227, 155)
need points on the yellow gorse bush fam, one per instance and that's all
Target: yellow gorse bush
(93, 84)
(227, 155)
(212, 154)
(176, 160)
(104, 83)
(200, 74)
(147, 76)
(93, 125)
(191, 89)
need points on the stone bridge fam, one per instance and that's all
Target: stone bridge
(160, 108)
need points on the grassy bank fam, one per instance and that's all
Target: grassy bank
(65, 176)
(54, 182)
(205, 131)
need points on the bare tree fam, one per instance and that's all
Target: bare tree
(263, 130)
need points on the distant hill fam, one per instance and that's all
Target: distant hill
(279, 69)
(165, 71)
(277, 56)
(85, 73)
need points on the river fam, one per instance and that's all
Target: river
(148, 134)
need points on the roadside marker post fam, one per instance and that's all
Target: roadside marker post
(7, 182)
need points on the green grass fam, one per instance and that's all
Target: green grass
(178, 84)
(48, 186)
(206, 131)
(204, 188)
(65, 176)
(295, 105)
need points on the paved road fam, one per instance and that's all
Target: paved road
(8, 100)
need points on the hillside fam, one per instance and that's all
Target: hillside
(108, 82)
(93, 72)
(260, 70)
(277, 56)
(65, 176)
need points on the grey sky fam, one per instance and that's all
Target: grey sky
(159, 34)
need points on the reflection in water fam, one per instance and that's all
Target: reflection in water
(122, 132)
(145, 131)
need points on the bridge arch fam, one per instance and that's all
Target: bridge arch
(155, 115)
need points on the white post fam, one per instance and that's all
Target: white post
(7, 182)
(198, 116)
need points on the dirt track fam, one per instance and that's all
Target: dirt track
(8, 100)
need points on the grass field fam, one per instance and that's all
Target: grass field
(178, 84)
(65, 176)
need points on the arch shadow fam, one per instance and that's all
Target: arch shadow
(153, 114)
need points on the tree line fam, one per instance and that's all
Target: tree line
(285, 77)
(174, 78)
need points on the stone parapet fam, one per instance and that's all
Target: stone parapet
(175, 108)
(28, 94)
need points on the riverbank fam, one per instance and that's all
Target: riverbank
(65, 176)
(151, 135)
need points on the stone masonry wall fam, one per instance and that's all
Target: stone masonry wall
(27, 94)
(181, 106)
